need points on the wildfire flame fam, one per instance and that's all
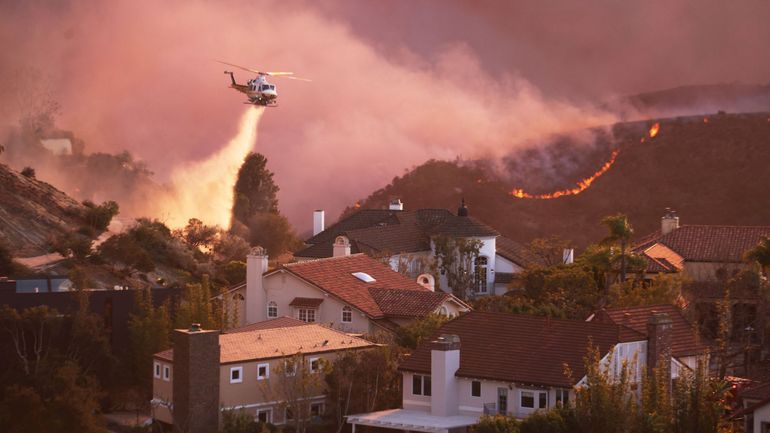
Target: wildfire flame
(654, 130)
(581, 186)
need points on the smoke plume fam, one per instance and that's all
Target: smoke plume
(141, 76)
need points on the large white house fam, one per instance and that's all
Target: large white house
(512, 364)
(406, 240)
(351, 292)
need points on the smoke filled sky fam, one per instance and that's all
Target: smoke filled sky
(394, 82)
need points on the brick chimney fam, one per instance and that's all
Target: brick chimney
(444, 363)
(659, 342)
(341, 247)
(196, 380)
(256, 298)
(669, 222)
(318, 221)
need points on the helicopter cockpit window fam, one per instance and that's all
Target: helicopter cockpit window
(265, 87)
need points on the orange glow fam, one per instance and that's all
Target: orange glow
(654, 130)
(581, 186)
(705, 120)
(358, 205)
(642, 140)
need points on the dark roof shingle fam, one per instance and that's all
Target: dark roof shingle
(522, 348)
(702, 243)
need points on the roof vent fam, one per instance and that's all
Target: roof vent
(195, 327)
(363, 276)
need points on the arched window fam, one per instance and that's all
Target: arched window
(444, 311)
(480, 274)
(238, 297)
(272, 309)
(347, 314)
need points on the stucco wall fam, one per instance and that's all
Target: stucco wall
(707, 271)
(762, 416)
(162, 392)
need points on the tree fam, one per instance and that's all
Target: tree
(7, 265)
(124, 249)
(293, 383)
(664, 289)
(761, 255)
(363, 381)
(71, 244)
(149, 328)
(254, 189)
(28, 172)
(550, 250)
(410, 335)
(98, 217)
(620, 232)
(273, 232)
(196, 234)
(455, 258)
(496, 424)
(196, 306)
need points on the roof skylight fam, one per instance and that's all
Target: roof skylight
(363, 276)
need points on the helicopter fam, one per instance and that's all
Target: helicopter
(258, 90)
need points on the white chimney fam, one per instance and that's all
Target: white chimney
(669, 222)
(318, 221)
(396, 205)
(256, 298)
(427, 281)
(341, 247)
(444, 363)
(568, 256)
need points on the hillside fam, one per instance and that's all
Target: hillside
(710, 171)
(33, 212)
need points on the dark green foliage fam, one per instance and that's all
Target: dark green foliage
(28, 172)
(363, 381)
(233, 272)
(273, 232)
(455, 260)
(147, 243)
(558, 420)
(496, 424)
(238, 421)
(98, 217)
(196, 234)
(516, 304)
(149, 330)
(72, 244)
(255, 191)
(413, 333)
(125, 249)
(761, 254)
(7, 265)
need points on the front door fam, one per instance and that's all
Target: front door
(502, 401)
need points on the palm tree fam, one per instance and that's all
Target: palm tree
(761, 254)
(620, 233)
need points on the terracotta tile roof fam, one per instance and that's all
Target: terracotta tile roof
(521, 348)
(394, 232)
(658, 265)
(335, 276)
(756, 392)
(279, 342)
(516, 252)
(684, 338)
(407, 303)
(700, 243)
(279, 322)
(306, 302)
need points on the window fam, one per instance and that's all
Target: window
(475, 388)
(316, 410)
(166, 373)
(530, 398)
(421, 385)
(265, 415)
(238, 297)
(306, 315)
(272, 309)
(289, 368)
(156, 369)
(236, 375)
(562, 396)
(444, 311)
(263, 371)
(315, 365)
(347, 314)
(363, 276)
(289, 414)
(480, 274)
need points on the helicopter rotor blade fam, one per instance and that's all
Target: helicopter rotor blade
(253, 71)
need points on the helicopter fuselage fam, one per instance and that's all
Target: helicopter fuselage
(258, 90)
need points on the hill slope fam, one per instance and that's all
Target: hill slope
(32, 212)
(713, 172)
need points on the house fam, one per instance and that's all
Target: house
(406, 239)
(704, 252)
(687, 347)
(512, 364)
(266, 369)
(755, 410)
(350, 292)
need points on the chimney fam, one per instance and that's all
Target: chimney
(568, 256)
(669, 222)
(256, 298)
(427, 281)
(462, 210)
(444, 363)
(659, 343)
(318, 221)
(396, 205)
(341, 247)
(195, 378)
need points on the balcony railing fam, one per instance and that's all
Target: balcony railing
(490, 408)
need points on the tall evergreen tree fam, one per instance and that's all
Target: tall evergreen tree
(255, 190)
